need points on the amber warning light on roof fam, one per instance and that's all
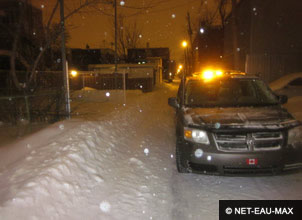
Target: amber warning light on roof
(210, 74)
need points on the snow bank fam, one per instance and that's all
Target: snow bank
(283, 81)
(97, 169)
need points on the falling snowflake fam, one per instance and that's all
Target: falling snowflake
(173, 16)
(107, 94)
(146, 151)
(172, 155)
(105, 206)
(201, 30)
(140, 36)
(61, 126)
(42, 6)
(122, 3)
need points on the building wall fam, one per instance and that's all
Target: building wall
(208, 48)
(243, 36)
(81, 58)
(139, 54)
(269, 37)
(31, 26)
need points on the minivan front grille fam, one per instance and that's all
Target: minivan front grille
(256, 141)
(268, 140)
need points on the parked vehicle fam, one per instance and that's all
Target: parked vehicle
(233, 124)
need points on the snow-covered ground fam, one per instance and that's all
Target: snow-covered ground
(116, 161)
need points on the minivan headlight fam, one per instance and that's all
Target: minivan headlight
(295, 137)
(195, 135)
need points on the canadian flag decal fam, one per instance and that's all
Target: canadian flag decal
(252, 161)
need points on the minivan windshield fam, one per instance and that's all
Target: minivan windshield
(229, 92)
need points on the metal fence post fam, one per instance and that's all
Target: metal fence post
(27, 108)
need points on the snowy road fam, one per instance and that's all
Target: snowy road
(118, 163)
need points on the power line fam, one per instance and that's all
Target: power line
(176, 6)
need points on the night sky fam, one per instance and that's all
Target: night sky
(163, 24)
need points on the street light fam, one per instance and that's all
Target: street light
(74, 73)
(184, 44)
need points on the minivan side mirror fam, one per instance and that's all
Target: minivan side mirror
(282, 99)
(173, 102)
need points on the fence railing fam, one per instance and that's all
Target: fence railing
(42, 107)
(107, 81)
(43, 101)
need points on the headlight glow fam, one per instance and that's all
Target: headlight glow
(195, 135)
(295, 137)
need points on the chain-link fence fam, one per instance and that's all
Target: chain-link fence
(43, 101)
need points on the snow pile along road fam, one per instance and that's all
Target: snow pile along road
(95, 169)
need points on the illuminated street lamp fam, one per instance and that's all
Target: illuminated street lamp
(184, 44)
(73, 73)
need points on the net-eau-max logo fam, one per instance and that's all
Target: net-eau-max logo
(260, 211)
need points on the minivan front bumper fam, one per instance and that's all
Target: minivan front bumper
(213, 161)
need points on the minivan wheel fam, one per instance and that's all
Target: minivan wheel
(181, 162)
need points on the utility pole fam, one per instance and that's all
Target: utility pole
(190, 33)
(235, 36)
(115, 43)
(64, 63)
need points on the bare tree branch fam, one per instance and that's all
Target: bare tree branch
(51, 16)
(14, 51)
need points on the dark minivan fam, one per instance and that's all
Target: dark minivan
(234, 125)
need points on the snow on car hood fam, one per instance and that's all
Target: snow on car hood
(272, 117)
